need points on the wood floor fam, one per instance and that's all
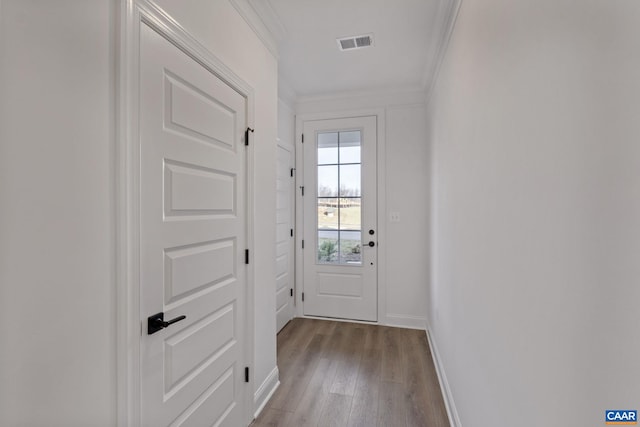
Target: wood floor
(348, 374)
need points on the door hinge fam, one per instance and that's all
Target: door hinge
(303, 138)
(292, 169)
(291, 291)
(302, 190)
(302, 243)
(303, 297)
(246, 256)
(292, 232)
(246, 135)
(246, 374)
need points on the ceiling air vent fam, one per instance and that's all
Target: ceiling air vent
(355, 42)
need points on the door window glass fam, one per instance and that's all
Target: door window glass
(339, 196)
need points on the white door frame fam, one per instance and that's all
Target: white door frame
(132, 14)
(382, 201)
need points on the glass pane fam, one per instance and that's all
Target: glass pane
(350, 147)
(328, 247)
(328, 148)
(350, 181)
(350, 247)
(350, 214)
(349, 154)
(327, 181)
(328, 213)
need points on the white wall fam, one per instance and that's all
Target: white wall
(57, 141)
(404, 250)
(286, 123)
(536, 211)
(407, 177)
(57, 325)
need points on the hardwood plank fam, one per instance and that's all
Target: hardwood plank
(292, 341)
(424, 398)
(335, 411)
(370, 370)
(350, 353)
(273, 418)
(436, 406)
(373, 340)
(392, 357)
(293, 385)
(326, 327)
(312, 401)
(364, 407)
(416, 395)
(391, 405)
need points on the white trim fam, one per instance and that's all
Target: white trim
(452, 411)
(253, 20)
(449, 19)
(406, 321)
(265, 11)
(398, 321)
(265, 391)
(299, 218)
(127, 245)
(338, 319)
(380, 114)
(382, 214)
(439, 36)
(132, 14)
(383, 96)
(332, 115)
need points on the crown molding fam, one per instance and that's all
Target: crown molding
(253, 18)
(447, 17)
(270, 19)
(380, 93)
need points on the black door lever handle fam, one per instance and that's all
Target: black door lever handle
(156, 322)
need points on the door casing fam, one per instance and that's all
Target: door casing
(132, 14)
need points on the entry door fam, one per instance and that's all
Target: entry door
(340, 252)
(284, 236)
(193, 233)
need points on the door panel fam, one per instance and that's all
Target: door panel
(284, 239)
(193, 237)
(340, 212)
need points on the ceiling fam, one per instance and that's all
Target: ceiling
(408, 35)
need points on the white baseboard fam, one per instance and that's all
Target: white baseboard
(404, 321)
(452, 412)
(265, 391)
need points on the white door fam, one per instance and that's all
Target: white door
(193, 228)
(340, 241)
(284, 236)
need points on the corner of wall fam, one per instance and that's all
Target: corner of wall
(286, 94)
